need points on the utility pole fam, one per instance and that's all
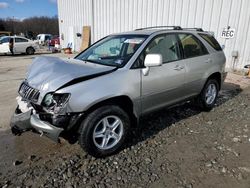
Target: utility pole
(13, 27)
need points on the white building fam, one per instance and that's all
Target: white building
(111, 16)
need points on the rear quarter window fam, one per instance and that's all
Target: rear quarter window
(211, 41)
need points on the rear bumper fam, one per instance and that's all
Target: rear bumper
(21, 122)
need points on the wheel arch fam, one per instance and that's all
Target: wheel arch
(123, 102)
(216, 76)
(31, 48)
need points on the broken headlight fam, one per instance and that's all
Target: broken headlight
(48, 100)
(55, 101)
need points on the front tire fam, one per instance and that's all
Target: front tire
(30, 51)
(208, 95)
(104, 131)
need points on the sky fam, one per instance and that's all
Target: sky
(21, 9)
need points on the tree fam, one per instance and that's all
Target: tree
(35, 25)
(2, 28)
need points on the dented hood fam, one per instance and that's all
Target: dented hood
(51, 73)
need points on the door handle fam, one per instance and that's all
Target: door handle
(178, 67)
(208, 61)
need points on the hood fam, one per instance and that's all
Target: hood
(48, 74)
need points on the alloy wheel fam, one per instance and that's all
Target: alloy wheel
(108, 132)
(211, 93)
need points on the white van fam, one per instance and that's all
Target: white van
(43, 38)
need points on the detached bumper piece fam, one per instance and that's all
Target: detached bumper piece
(21, 122)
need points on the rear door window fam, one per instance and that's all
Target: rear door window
(212, 41)
(192, 47)
(20, 40)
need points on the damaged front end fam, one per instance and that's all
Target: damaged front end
(49, 118)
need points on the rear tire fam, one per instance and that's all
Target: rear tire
(104, 131)
(30, 51)
(208, 95)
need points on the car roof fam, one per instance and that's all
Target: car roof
(19, 37)
(3, 37)
(156, 29)
(138, 32)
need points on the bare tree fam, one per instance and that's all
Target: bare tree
(36, 25)
(2, 28)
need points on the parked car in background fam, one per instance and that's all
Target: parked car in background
(98, 96)
(54, 40)
(5, 33)
(43, 39)
(19, 44)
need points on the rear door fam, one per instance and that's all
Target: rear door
(164, 85)
(20, 45)
(197, 63)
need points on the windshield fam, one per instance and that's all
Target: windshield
(113, 50)
(4, 39)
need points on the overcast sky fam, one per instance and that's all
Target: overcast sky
(20, 9)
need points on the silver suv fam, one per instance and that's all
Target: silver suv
(98, 96)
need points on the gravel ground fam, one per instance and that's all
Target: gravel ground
(179, 147)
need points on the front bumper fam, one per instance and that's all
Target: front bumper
(29, 120)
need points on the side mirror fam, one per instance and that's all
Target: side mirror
(151, 60)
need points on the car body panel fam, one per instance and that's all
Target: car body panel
(118, 83)
(28, 120)
(163, 86)
(4, 48)
(196, 70)
(47, 74)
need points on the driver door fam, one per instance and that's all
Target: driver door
(164, 85)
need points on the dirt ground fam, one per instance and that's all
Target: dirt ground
(178, 147)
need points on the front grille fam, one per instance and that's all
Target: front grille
(28, 92)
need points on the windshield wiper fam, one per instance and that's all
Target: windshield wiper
(89, 60)
(100, 63)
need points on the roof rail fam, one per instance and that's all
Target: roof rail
(195, 28)
(155, 27)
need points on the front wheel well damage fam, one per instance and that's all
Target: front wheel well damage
(123, 102)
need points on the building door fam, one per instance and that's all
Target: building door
(71, 37)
